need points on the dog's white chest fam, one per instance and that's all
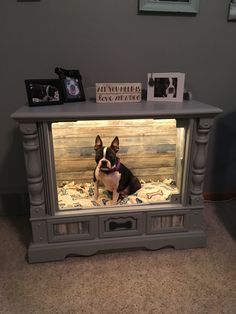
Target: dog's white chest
(110, 181)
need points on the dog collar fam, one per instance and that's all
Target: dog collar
(116, 167)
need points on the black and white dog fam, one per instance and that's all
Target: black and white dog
(43, 93)
(72, 86)
(109, 171)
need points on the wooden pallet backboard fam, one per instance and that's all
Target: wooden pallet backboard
(147, 147)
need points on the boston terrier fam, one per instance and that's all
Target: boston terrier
(41, 92)
(72, 86)
(116, 178)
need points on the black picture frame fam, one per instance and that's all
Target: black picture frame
(169, 7)
(43, 92)
(71, 82)
(232, 11)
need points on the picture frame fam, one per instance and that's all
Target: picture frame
(71, 82)
(41, 92)
(166, 6)
(232, 11)
(165, 87)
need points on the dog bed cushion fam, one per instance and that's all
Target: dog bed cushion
(80, 196)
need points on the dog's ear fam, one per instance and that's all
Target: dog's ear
(98, 143)
(115, 144)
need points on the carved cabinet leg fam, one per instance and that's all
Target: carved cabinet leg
(33, 168)
(199, 161)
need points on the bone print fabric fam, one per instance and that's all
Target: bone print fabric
(80, 196)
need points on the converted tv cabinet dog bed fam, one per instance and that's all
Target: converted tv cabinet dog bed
(163, 143)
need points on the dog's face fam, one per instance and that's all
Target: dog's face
(44, 92)
(106, 156)
(51, 93)
(71, 86)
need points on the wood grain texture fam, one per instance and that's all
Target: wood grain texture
(147, 147)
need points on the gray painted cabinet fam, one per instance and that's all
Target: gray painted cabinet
(177, 223)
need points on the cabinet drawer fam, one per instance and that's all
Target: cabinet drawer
(69, 229)
(118, 225)
(164, 222)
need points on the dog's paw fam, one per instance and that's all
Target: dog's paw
(94, 198)
(112, 202)
(95, 203)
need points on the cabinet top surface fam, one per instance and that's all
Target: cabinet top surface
(90, 110)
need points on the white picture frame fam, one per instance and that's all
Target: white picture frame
(165, 86)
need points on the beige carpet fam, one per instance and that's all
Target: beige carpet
(164, 281)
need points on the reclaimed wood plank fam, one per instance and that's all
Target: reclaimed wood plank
(63, 165)
(139, 151)
(87, 176)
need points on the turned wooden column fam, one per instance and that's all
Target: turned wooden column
(33, 169)
(199, 160)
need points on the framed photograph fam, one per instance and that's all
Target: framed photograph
(71, 82)
(44, 92)
(173, 6)
(232, 11)
(165, 87)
